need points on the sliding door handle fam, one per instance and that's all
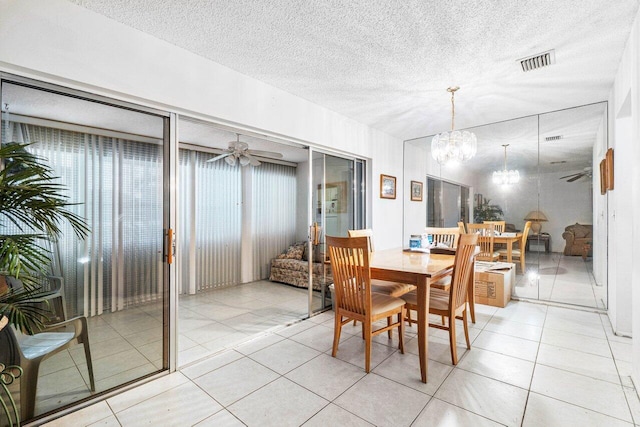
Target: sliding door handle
(170, 245)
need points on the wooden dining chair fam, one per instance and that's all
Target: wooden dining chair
(498, 226)
(354, 300)
(520, 252)
(444, 235)
(393, 289)
(452, 304)
(461, 227)
(486, 235)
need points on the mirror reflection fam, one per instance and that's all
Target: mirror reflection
(536, 173)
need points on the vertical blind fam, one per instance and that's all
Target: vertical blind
(273, 214)
(117, 187)
(210, 201)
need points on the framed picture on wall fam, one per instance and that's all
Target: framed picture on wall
(416, 191)
(387, 187)
(609, 159)
(603, 176)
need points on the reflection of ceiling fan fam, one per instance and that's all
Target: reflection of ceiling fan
(587, 172)
(239, 152)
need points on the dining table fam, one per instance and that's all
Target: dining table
(419, 269)
(508, 240)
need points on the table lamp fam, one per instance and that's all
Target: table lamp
(536, 217)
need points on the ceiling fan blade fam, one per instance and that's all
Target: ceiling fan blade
(261, 153)
(252, 160)
(575, 178)
(221, 156)
(570, 176)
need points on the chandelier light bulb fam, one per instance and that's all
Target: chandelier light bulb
(506, 177)
(455, 146)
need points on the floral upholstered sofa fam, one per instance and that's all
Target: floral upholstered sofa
(292, 268)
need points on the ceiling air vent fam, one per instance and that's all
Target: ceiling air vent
(553, 138)
(540, 60)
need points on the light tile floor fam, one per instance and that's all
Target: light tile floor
(222, 318)
(529, 365)
(558, 278)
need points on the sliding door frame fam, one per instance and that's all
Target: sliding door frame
(169, 166)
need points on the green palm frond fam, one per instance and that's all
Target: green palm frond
(35, 204)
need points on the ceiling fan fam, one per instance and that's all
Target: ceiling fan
(238, 152)
(587, 172)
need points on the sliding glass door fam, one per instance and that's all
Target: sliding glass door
(337, 205)
(109, 162)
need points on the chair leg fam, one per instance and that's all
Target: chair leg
(522, 264)
(367, 345)
(28, 384)
(466, 328)
(87, 353)
(337, 328)
(452, 340)
(442, 319)
(390, 331)
(408, 314)
(401, 330)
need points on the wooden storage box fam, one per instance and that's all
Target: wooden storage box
(494, 287)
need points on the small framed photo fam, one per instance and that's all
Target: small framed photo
(603, 176)
(387, 187)
(609, 159)
(416, 191)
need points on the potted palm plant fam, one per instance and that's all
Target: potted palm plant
(485, 211)
(35, 205)
(32, 203)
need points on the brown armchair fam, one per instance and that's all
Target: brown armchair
(576, 236)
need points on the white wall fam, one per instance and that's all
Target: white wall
(59, 42)
(624, 200)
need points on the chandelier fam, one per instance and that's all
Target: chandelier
(506, 177)
(454, 146)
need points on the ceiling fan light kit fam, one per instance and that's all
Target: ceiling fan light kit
(455, 146)
(239, 152)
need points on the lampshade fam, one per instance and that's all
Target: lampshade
(536, 216)
(231, 160)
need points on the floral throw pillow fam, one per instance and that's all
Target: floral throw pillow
(294, 252)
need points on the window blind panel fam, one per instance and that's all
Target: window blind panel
(218, 222)
(273, 214)
(186, 184)
(117, 185)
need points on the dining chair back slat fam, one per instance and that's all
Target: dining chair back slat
(463, 268)
(444, 235)
(498, 226)
(486, 236)
(365, 232)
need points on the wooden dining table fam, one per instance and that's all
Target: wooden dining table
(508, 240)
(419, 269)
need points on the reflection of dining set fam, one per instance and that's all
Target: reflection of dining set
(373, 286)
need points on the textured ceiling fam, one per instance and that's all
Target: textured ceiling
(387, 64)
